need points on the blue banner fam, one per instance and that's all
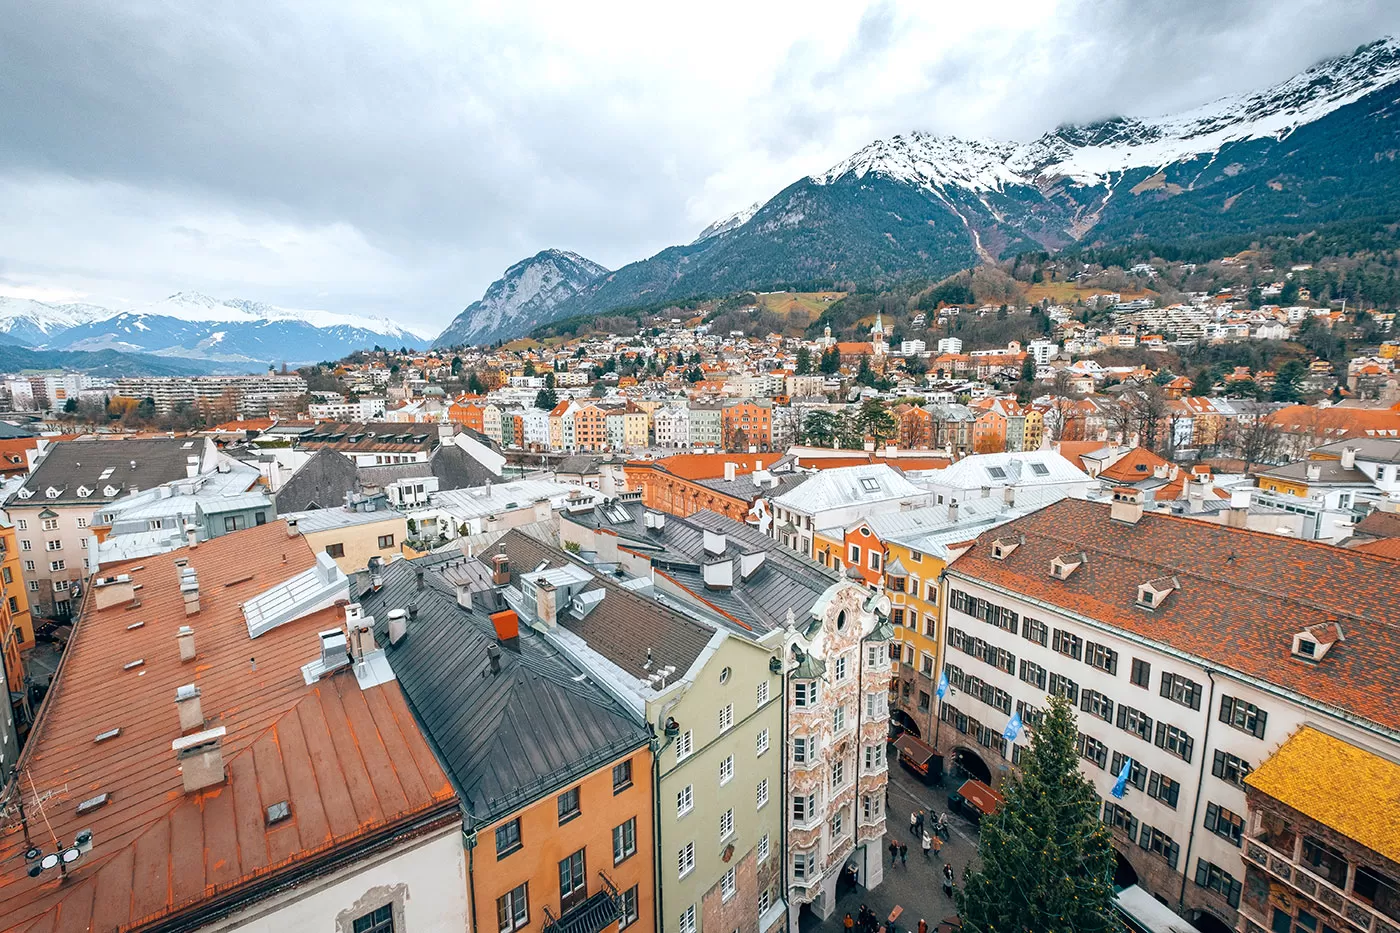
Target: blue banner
(942, 685)
(1121, 786)
(1013, 728)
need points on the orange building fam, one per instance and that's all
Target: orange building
(672, 484)
(747, 424)
(989, 432)
(16, 625)
(468, 412)
(590, 428)
(915, 427)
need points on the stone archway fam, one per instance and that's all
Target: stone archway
(1124, 874)
(971, 764)
(1207, 922)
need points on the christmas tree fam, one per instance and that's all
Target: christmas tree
(1046, 857)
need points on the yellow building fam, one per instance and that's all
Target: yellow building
(352, 538)
(12, 588)
(912, 582)
(636, 427)
(1035, 430)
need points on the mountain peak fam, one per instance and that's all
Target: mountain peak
(732, 222)
(522, 297)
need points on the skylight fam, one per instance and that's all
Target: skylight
(996, 472)
(1040, 469)
(870, 484)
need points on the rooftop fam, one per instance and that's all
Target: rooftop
(1302, 774)
(349, 762)
(105, 470)
(1243, 596)
(1039, 467)
(850, 486)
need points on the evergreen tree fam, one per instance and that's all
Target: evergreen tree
(831, 362)
(820, 428)
(804, 361)
(546, 399)
(1046, 858)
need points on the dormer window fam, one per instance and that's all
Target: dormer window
(51, 493)
(1313, 642)
(110, 491)
(1002, 547)
(1155, 592)
(1065, 564)
(84, 492)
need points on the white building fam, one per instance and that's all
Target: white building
(949, 345)
(835, 499)
(913, 348)
(671, 426)
(982, 475)
(1042, 351)
(366, 408)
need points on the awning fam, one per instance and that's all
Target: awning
(917, 750)
(981, 796)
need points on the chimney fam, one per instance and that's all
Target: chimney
(360, 632)
(191, 712)
(334, 648)
(184, 637)
(112, 591)
(1159, 471)
(1238, 515)
(398, 625)
(953, 509)
(1008, 496)
(189, 589)
(758, 466)
(729, 471)
(493, 655)
(543, 509)
(1314, 472)
(500, 570)
(201, 758)
(191, 535)
(191, 466)
(1127, 505)
(1349, 458)
(418, 578)
(891, 451)
(291, 527)
(715, 542)
(507, 626)
(546, 602)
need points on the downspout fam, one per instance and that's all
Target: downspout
(656, 810)
(469, 840)
(783, 784)
(1200, 785)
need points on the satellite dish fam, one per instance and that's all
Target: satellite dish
(71, 855)
(49, 861)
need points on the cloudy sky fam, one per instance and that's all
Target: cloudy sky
(385, 158)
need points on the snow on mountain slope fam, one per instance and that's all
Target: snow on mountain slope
(193, 306)
(732, 222)
(524, 297)
(1088, 155)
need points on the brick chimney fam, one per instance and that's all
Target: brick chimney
(191, 711)
(546, 602)
(500, 570)
(189, 589)
(1127, 505)
(184, 637)
(201, 758)
(113, 591)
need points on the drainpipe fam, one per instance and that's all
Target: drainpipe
(656, 808)
(1200, 783)
(783, 784)
(469, 840)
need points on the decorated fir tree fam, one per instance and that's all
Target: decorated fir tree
(1046, 858)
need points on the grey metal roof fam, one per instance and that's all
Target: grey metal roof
(507, 738)
(321, 482)
(140, 463)
(743, 487)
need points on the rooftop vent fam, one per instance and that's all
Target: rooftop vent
(1064, 565)
(335, 654)
(398, 625)
(109, 734)
(93, 803)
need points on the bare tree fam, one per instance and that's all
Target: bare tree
(1257, 440)
(1149, 410)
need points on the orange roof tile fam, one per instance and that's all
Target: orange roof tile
(1136, 465)
(351, 762)
(699, 466)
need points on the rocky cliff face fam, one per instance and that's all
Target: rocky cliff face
(524, 297)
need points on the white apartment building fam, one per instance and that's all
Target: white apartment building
(1191, 651)
(672, 427)
(251, 396)
(357, 409)
(913, 348)
(535, 423)
(838, 677)
(950, 345)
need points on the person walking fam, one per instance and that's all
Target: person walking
(903, 855)
(938, 846)
(919, 825)
(947, 879)
(914, 822)
(894, 852)
(867, 917)
(849, 923)
(923, 925)
(941, 827)
(928, 845)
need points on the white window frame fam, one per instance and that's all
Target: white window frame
(761, 795)
(685, 860)
(761, 742)
(726, 718)
(685, 745)
(685, 800)
(726, 824)
(726, 770)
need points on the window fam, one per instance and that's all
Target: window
(870, 484)
(1068, 644)
(726, 717)
(874, 758)
(1033, 674)
(22, 525)
(1102, 657)
(1036, 631)
(688, 920)
(727, 885)
(1137, 773)
(762, 692)
(513, 909)
(1224, 823)
(29, 565)
(838, 774)
(1135, 721)
(380, 920)
(1174, 741)
(33, 586)
(804, 693)
(335, 550)
(765, 899)
(1325, 861)
(875, 705)
(801, 864)
(763, 849)
(60, 586)
(855, 555)
(54, 545)
(803, 808)
(573, 881)
(1230, 769)
(874, 560)
(1091, 749)
(50, 524)
(1063, 686)
(386, 541)
(875, 657)
(629, 911)
(726, 824)
(1097, 704)
(686, 859)
(685, 744)
(761, 742)
(924, 701)
(726, 770)
(1245, 717)
(1164, 789)
(625, 841)
(1159, 843)
(55, 565)
(568, 805)
(1181, 690)
(1217, 879)
(841, 668)
(926, 664)
(838, 718)
(507, 838)
(233, 523)
(799, 749)
(762, 794)
(1119, 818)
(685, 800)
(1142, 673)
(622, 776)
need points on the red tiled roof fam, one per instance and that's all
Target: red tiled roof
(1136, 465)
(1243, 596)
(352, 763)
(1382, 547)
(701, 466)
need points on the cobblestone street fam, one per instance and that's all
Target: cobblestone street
(918, 886)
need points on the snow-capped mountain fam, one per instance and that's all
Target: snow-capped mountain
(1315, 149)
(195, 326)
(725, 224)
(524, 297)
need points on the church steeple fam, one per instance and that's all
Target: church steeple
(878, 331)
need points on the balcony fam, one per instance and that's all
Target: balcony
(594, 914)
(1318, 889)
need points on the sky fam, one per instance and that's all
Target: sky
(394, 159)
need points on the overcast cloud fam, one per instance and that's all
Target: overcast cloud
(394, 158)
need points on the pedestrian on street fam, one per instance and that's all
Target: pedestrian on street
(866, 916)
(938, 845)
(928, 845)
(849, 923)
(919, 826)
(923, 925)
(914, 822)
(947, 879)
(894, 852)
(942, 825)
(903, 855)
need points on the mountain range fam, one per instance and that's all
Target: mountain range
(1317, 148)
(240, 335)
